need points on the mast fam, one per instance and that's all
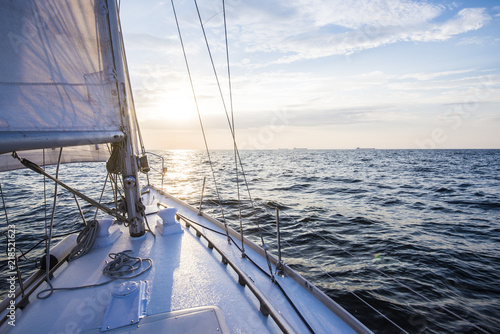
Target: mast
(134, 206)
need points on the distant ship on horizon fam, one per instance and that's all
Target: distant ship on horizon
(365, 148)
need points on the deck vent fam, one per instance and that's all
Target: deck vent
(127, 305)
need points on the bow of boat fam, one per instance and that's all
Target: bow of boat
(192, 277)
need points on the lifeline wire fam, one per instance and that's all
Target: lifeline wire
(24, 253)
(186, 220)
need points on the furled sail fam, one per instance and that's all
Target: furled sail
(58, 84)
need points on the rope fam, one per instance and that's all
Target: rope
(85, 240)
(122, 267)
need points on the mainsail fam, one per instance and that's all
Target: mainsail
(63, 83)
(58, 85)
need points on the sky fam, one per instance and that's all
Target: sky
(331, 74)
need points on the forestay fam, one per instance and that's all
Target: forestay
(58, 85)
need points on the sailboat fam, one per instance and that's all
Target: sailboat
(152, 263)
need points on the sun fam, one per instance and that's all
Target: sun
(176, 109)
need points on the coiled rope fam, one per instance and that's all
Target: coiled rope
(122, 267)
(85, 240)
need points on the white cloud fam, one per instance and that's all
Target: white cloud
(466, 20)
(433, 75)
(357, 14)
(309, 30)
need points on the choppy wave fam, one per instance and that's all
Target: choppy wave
(415, 233)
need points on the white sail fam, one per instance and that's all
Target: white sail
(58, 85)
(50, 156)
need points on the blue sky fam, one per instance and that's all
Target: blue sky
(319, 74)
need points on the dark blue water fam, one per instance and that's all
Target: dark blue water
(414, 233)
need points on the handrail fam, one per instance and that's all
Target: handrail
(163, 169)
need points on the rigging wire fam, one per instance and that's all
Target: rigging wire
(100, 198)
(200, 120)
(44, 197)
(4, 207)
(80, 210)
(231, 127)
(34, 167)
(230, 86)
(211, 17)
(49, 239)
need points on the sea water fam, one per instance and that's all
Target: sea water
(413, 233)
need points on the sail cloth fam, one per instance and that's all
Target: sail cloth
(50, 156)
(58, 83)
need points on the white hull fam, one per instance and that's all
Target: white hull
(187, 287)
